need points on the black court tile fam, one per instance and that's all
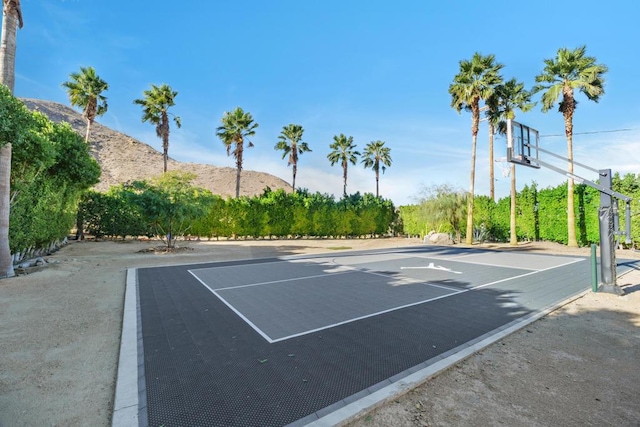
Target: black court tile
(204, 365)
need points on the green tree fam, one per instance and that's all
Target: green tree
(170, 204)
(344, 152)
(85, 91)
(443, 208)
(570, 70)
(376, 156)
(51, 167)
(290, 142)
(155, 109)
(11, 21)
(236, 127)
(474, 82)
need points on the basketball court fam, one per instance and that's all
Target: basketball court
(312, 340)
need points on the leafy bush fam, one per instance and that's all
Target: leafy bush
(50, 169)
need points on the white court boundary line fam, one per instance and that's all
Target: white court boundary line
(354, 319)
(242, 316)
(456, 259)
(355, 269)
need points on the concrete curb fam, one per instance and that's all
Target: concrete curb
(125, 408)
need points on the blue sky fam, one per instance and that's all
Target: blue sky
(375, 70)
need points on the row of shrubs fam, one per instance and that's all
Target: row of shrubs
(170, 206)
(541, 213)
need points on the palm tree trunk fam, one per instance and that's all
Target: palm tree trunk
(86, 138)
(90, 115)
(377, 182)
(238, 170)
(469, 237)
(475, 120)
(7, 74)
(6, 261)
(569, 106)
(513, 240)
(8, 48)
(571, 215)
(293, 183)
(165, 151)
(162, 130)
(344, 177)
(492, 192)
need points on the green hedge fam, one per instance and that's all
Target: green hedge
(272, 214)
(540, 215)
(50, 169)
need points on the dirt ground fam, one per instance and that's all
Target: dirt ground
(61, 325)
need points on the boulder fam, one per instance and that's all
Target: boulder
(438, 239)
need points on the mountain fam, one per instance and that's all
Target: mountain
(124, 159)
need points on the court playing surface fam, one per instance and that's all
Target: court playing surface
(300, 340)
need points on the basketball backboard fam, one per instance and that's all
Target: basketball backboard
(522, 144)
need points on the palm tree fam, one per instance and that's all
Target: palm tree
(236, 126)
(376, 154)
(568, 71)
(11, 21)
(290, 142)
(155, 106)
(345, 153)
(85, 91)
(507, 98)
(475, 81)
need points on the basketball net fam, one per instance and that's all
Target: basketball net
(506, 169)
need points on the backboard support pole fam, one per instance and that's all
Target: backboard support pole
(527, 153)
(607, 238)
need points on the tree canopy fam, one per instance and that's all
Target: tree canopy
(155, 110)
(343, 152)
(571, 69)
(237, 126)
(376, 156)
(85, 91)
(291, 144)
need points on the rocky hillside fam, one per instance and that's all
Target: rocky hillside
(123, 158)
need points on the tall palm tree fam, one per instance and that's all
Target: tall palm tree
(11, 21)
(344, 152)
(376, 156)
(290, 142)
(475, 82)
(85, 91)
(236, 126)
(155, 109)
(568, 71)
(508, 98)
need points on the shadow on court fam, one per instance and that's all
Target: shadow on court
(205, 364)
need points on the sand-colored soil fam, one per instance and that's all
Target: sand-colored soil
(60, 336)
